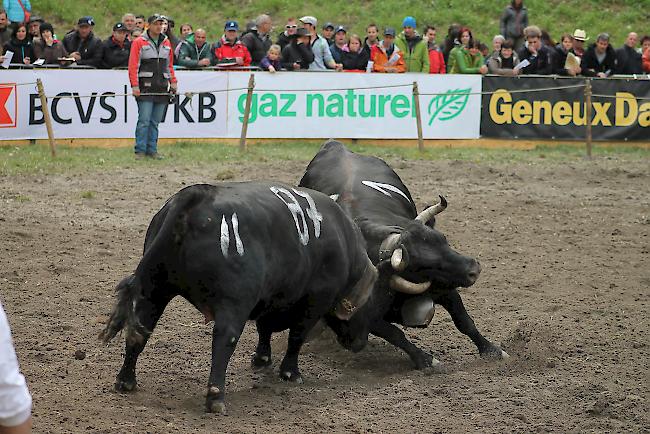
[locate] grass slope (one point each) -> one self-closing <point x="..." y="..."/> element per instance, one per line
<point x="617" y="17"/>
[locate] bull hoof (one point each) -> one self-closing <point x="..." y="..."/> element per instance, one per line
<point x="425" y="360"/>
<point x="214" y="401"/>
<point x="494" y="353"/>
<point x="293" y="377"/>
<point x="260" y="362"/>
<point x="125" y="385"/>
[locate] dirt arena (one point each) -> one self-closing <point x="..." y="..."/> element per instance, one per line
<point x="564" y="289"/>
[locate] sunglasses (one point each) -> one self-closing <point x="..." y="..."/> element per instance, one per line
<point x="293" y="26"/>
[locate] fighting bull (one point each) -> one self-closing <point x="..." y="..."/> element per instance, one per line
<point x="417" y="267"/>
<point x="282" y="256"/>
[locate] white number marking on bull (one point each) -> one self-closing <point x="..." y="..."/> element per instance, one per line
<point x="225" y="235"/>
<point x="298" y="215"/>
<point x="380" y="187"/>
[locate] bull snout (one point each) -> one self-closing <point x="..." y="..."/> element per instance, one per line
<point x="474" y="272"/>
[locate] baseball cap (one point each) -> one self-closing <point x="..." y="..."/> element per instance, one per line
<point x="231" y="25"/>
<point x="409" y="22"/>
<point x="308" y="19"/>
<point x="120" y="26"/>
<point x="389" y="31"/>
<point x="340" y="29"/>
<point x="155" y="17"/>
<point x="328" y="25"/>
<point x="35" y="19"/>
<point x="86" y="21"/>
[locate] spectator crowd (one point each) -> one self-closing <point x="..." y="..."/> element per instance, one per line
<point x="304" y="44"/>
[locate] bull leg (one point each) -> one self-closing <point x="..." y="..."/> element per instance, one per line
<point x="452" y="302"/>
<point x="228" y="327"/>
<point x="149" y="312"/>
<point x="395" y="336"/>
<point x="262" y="355"/>
<point x="297" y="334"/>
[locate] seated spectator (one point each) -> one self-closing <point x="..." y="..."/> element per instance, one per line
<point x="116" y="48"/>
<point x="628" y="60"/>
<point x="258" y="40"/>
<point x="5" y="31"/>
<point x="195" y="51"/>
<point x="139" y="23"/>
<point x="538" y="56"/>
<point x="413" y="47"/>
<point x="48" y="48"/>
<point x="372" y="38"/>
<point x="355" y="59"/>
<point x="298" y="53"/>
<point x="579" y="39"/>
<point x="186" y="30"/>
<point x="83" y="45"/>
<point x="323" y="59"/>
<point x="466" y="58"/>
<point x="34" y="27"/>
<point x="505" y="61"/>
<point x="562" y="50"/>
<point x="386" y="56"/>
<point x="129" y="22"/>
<point x="645" y="49"/>
<point x="340" y="44"/>
<point x="599" y="59"/>
<point x="230" y="51"/>
<point x="289" y="29"/>
<point x="20" y="45"/>
<point x="328" y="33"/>
<point x="271" y="62"/>
<point x="436" y="59"/>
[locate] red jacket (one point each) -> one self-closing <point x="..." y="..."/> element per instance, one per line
<point x="436" y="62"/>
<point x="226" y="52"/>
<point x="145" y="41"/>
<point x="646" y="61"/>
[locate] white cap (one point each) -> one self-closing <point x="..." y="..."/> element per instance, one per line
<point x="308" y="19"/>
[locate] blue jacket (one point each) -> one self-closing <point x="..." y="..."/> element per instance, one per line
<point x="15" y="13"/>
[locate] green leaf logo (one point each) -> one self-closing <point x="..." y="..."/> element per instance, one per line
<point x="448" y="105"/>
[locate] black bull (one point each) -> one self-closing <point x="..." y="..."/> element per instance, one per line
<point x="282" y="256"/>
<point x="417" y="266"/>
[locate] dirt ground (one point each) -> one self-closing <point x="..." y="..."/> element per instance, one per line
<point x="564" y="289"/>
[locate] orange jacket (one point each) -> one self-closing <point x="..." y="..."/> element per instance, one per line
<point x="381" y="62"/>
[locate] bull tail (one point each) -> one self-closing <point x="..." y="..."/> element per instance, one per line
<point x="123" y="315"/>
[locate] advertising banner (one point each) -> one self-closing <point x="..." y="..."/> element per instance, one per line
<point x="561" y="113"/>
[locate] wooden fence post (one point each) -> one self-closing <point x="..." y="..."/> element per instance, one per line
<point x="588" y="115"/>
<point x="46" y="115"/>
<point x="247" y="112"/>
<point x="418" y="117"/>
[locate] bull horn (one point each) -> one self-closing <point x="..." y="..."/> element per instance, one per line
<point x="428" y="213"/>
<point x="397" y="261"/>
<point x="400" y="284"/>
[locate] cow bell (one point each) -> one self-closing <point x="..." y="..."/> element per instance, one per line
<point x="418" y="311"/>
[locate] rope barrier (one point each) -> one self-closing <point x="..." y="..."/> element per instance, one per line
<point x="25" y="84"/>
<point x="643" y="98"/>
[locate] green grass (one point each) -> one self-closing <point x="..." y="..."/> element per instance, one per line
<point x="36" y="159"/>
<point x="617" y="17"/>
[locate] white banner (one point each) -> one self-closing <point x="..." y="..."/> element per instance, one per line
<point x="284" y="105"/>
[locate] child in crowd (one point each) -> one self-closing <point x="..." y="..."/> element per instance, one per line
<point x="271" y="62"/>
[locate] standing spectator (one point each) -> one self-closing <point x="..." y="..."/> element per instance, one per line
<point x="187" y="35"/>
<point x="579" y="39"/>
<point x="139" y="22"/>
<point x="230" y="50"/>
<point x="271" y="62"/>
<point x="386" y="56"/>
<point x="258" y="40"/>
<point x="645" y="49"/>
<point x="34" y="27"/>
<point x="452" y="40"/>
<point x="372" y="38"/>
<point x="562" y="50"/>
<point x="289" y="29"/>
<point x="5" y="31"/>
<point x="504" y="62"/>
<point x="467" y="59"/>
<point x="20" y="45"/>
<point x="538" y="56"/>
<point x="128" y="20"/>
<point x="83" y="45"/>
<point x="117" y="48"/>
<point x="195" y="52"/>
<point x="416" y="54"/>
<point x="355" y="59"/>
<point x="298" y="54"/>
<point x="48" y="48"/>
<point x="436" y="60"/>
<point x="340" y="45"/>
<point x="18" y="11"/>
<point x="599" y="59"/>
<point x="151" y="70"/>
<point x="168" y="30"/>
<point x="329" y="33"/>
<point x="15" y="400"/>
<point x="322" y="55"/>
<point x="627" y="58"/>
<point x="513" y="22"/>
<point x="186" y="30"/>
